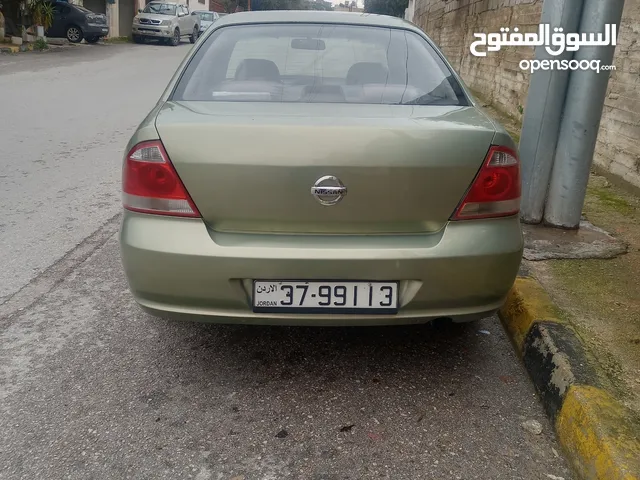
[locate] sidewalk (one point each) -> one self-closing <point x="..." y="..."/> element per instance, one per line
<point x="582" y="341"/>
<point x="11" y="48"/>
<point x="53" y="44"/>
<point x="576" y="325"/>
<point x="602" y="297"/>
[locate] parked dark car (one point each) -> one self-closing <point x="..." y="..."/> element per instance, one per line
<point x="74" y="23"/>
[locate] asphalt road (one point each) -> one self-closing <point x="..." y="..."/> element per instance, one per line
<point x="66" y="118"/>
<point x="92" y="388"/>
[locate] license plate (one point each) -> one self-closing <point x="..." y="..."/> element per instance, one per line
<point x="325" y="297"/>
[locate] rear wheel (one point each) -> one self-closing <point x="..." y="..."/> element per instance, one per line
<point x="194" y="35"/>
<point x="92" y="39"/>
<point x="175" y="40"/>
<point x="74" y="34"/>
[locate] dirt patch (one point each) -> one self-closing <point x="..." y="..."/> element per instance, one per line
<point x="602" y="297"/>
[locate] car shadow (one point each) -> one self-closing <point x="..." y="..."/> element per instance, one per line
<point x="259" y="354"/>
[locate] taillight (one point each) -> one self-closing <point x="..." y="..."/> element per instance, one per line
<point x="495" y="192"/>
<point x="150" y="184"/>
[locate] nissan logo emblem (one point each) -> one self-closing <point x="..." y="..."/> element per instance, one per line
<point x="328" y="190"/>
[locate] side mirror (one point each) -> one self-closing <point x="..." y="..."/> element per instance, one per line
<point x="193" y="13"/>
<point x="139" y="10"/>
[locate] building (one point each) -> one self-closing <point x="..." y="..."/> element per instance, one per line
<point x="216" y="6"/>
<point x="197" y="5"/>
<point x="348" y="6"/>
<point x="410" y="11"/>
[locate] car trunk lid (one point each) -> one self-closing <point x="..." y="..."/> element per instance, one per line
<point x="251" y="167"/>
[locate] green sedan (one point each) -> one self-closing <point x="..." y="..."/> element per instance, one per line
<point x="319" y="168"/>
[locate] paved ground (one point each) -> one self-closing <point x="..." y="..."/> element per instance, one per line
<point x="67" y="116"/>
<point x="90" y="387"/>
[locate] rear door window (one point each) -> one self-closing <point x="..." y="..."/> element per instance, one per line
<point x="317" y="63"/>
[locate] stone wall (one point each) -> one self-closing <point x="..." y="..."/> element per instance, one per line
<point x="618" y="147"/>
<point x="452" y="23"/>
<point x="498" y="78"/>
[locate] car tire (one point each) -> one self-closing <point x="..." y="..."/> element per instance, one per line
<point x="74" y="34"/>
<point x="175" y="40"/>
<point x="92" y="39"/>
<point x="137" y="39"/>
<point x="194" y="35"/>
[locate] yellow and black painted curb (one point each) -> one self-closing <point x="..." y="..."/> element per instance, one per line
<point x="7" y="48"/>
<point x="599" y="435"/>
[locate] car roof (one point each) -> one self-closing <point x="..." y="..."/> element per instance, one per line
<point x="314" y="16"/>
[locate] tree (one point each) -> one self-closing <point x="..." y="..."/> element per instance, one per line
<point x="395" y="8"/>
<point x="228" y="5"/>
<point x="284" y="4"/>
<point x="41" y="13"/>
<point x="316" y="5"/>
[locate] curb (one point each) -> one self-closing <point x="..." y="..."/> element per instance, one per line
<point x="6" y="48"/>
<point x="599" y="435"/>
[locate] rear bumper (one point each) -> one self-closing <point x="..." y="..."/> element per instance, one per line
<point x="179" y="268"/>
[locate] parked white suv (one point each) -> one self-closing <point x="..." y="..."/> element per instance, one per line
<point x="167" y="22"/>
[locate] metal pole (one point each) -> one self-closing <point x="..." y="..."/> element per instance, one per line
<point x="581" y="119"/>
<point x="541" y="123"/>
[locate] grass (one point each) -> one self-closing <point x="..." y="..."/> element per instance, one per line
<point x="611" y="200"/>
<point x="117" y="40"/>
<point x="601" y="314"/>
<point x="40" y="44"/>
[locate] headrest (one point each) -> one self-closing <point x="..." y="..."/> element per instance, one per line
<point x="257" y="69"/>
<point x="367" y="72"/>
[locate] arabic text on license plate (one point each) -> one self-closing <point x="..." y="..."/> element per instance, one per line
<point x="325" y="297"/>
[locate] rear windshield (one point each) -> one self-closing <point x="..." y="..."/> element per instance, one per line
<point x="206" y="16"/>
<point x="160" y="8"/>
<point x="312" y="63"/>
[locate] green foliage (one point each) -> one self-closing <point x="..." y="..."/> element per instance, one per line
<point x="40" y="44"/>
<point x="394" y="8"/>
<point x="230" y="5"/>
<point x="317" y="5"/>
<point x="117" y="40"/>
<point x="41" y="13"/>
